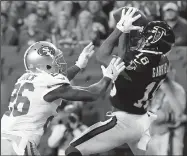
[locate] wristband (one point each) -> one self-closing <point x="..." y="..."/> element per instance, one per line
<point x="78" y="65"/>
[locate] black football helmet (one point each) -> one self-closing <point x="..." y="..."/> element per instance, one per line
<point x="157" y="37"/>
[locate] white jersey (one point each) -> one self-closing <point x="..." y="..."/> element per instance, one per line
<point x="28" y="111"/>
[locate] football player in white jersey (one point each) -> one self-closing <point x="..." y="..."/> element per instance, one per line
<point x="39" y="91"/>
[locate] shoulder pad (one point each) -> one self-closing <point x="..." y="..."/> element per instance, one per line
<point x="62" y="79"/>
<point x="46" y="79"/>
<point x="26" y="77"/>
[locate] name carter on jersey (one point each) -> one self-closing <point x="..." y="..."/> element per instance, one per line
<point x="160" y="70"/>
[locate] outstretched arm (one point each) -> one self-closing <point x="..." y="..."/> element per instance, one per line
<point x="123" y="26"/>
<point x="123" y="44"/>
<point x="91" y="93"/>
<point x="82" y="61"/>
<point x="104" y="53"/>
<point x="73" y="93"/>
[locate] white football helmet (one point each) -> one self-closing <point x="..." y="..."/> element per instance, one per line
<point x="44" y="56"/>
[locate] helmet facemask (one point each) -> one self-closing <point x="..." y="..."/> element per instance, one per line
<point x="60" y="64"/>
<point x="158" y="38"/>
<point x="150" y="40"/>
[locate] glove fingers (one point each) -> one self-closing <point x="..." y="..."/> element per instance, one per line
<point x="87" y="48"/>
<point x="133" y="12"/>
<point x="136" y="28"/>
<point x="121" y="69"/>
<point x="90" y="44"/>
<point x="112" y="61"/>
<point x="103" y="68"/>
<point x="90" y="48"/>
<point x="129" y="11"/>
<point x="136" y="17"/>
<point x="91" y="53"/>
<point x="120" y="65"/>
<point x="122" y="13"/>
<point x="117" y="62"/>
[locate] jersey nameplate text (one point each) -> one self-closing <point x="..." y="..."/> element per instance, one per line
<point x="160" y="70"/>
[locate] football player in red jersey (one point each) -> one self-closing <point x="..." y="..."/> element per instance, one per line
<point x="146" y="68"/>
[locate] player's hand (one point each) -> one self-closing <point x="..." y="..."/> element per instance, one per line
<point x="84" y="57"/>
<point x="125" y="23"/>
<point x="56" y="135"/>
<point x="114" y="69"/>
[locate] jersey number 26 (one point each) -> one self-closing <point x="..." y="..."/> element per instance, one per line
<point x="19" y="104"/>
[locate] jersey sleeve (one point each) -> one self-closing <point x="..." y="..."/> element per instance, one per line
<point x="140" y="61"/>
<point x="49" y="82"/>
<point x="142" y="67"/>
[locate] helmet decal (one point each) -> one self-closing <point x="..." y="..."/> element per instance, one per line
<point x="44" y="56"/>
<point x="46" y="51"/>
<point x="157" y="37"/>
<point x="158" y="33"/>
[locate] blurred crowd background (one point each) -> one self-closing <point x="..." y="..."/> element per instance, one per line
<point x="71" y="25"/>
<point x="67" y="23"/>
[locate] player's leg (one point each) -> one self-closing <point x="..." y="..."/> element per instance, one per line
<point x="138" y="147"/>
<point x="158" y="145"/>
<point x="153" y="147"/>
<point x="103" y="137"/>
<point x="135" y="150"/>
<point x="98" y="138"/>
<point x="31" y="149"/>
<point x="176" y="140"/>
<point x="6" y="147"/>
<point x="178" y="145"/>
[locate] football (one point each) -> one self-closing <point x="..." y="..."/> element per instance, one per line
<point x="142" y="21"/>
